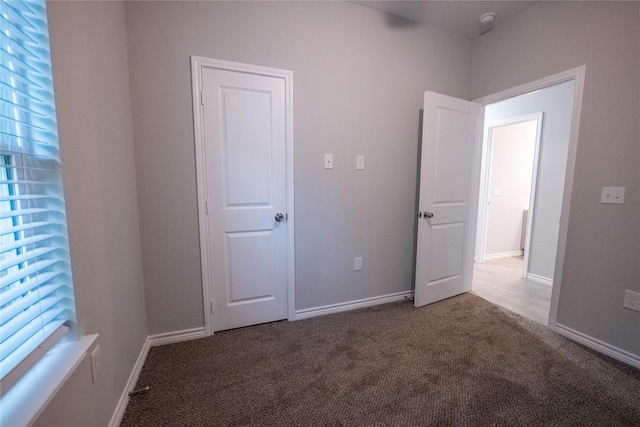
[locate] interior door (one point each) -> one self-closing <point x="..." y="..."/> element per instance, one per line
<point x="244" y="119"/>
<point x="449" y="179"/>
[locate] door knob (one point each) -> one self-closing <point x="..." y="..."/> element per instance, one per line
<point x="279" y="217"/>
<point x="427" y="215"/>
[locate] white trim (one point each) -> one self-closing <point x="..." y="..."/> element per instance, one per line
<point x="26" y="400"/>
<point x="539" y="279"/>
<point x="197" y="64"/>
<point x="351" y="305"/>
<point x="503" y="255"/>
<point x="177" y="336"/>
<point x="151" y="341"/>
<point x="578" y="75"/>
<point x="601" y="346"/>
<point x="532" y="194"/>
<point x="121" y="407"/>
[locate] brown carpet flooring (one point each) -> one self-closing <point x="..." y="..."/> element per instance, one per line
<point x="460" y="362"/>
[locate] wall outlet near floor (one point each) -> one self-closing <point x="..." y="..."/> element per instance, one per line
<point x="96" y="363"/>
<point x="357" y="263"/>
<point x="632" y="300"/>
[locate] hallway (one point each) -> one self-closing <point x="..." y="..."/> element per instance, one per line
<point x="500" y="281"/>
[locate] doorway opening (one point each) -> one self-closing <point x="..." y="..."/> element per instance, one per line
<point x="521" y="235"/>
<point x="505" y="217"/>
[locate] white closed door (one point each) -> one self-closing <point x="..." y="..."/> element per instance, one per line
<point x="244" y="120"/>
<point x="449" y="177"/>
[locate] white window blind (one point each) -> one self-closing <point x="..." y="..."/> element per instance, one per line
<point x="36" y="293"/>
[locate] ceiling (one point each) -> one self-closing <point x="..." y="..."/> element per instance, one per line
<point x="461" y="17"/>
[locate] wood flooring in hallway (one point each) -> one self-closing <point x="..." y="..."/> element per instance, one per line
<point x="500" y="281"/>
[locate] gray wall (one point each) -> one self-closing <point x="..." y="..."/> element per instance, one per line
<point x="94" y="117"/>
<point x="556" y="102"/>
<point x="359" y="79"/>
<point x="603" y="242"/>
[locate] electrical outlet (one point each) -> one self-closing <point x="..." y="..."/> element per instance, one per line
<point x="632" y="300"/>
<point x="96" y="363"/>
<point x="357" y="263"/>
<point x="359" y="162"/>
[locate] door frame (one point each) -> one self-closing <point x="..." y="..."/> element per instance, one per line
<point x="578" y="75"/>
<point x="485" y="178"/>
<point x="198" y="63"/>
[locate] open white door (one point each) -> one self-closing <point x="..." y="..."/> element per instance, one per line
<point x="449" y="179"/>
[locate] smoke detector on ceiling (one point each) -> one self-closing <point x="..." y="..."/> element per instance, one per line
<point x="486" y="22"/>
<point x="487" y="18"/>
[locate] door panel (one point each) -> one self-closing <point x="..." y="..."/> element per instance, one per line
<point x="247" y="147"/>
<point x="249" y="263"/>
<point x="244" y="117"/>
<point x="451" y="142"/>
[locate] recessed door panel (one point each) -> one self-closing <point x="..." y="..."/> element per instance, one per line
<point x="445" y="244"/>
<point x="453" y="154"/>
<point x="246" y="135"/>
<point x="249" y="267"/>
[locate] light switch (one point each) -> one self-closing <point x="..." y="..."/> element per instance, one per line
<point x="360" y="161"/>
<point x="328" y="161"/>
<point x="613" y="195"/>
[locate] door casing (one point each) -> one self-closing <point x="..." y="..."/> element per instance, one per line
<point x="198" y="63"/>
<point x="577" y="74"/>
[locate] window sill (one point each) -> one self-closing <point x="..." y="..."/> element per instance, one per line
<point x="24" y="402"/>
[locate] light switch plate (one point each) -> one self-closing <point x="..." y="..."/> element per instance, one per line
<point x="613" y="195"/>
<point x="328" y="161"/>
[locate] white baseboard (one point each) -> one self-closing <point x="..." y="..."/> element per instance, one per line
<point x="351" y="305"/>
<point x="177" y="336"/>
<point x="151" y="341"/>
<point x="503" y="255"/>
<point x="116" y="418"/>
<point x="602" y="347"/>
<point x="539" y="279"/>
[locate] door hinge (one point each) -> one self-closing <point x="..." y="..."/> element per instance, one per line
<point x="201" y="97"/>
<point x="206" y="207"/>
<point x="211" y="306"/>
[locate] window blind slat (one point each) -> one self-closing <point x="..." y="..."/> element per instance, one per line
<point x="26" y="197"/>
<point x="25" y="242"/>
<point x="25" y="227"/>
<point x="24" y="257"/>
<point x="14" y="182"/>
<point x="24" y="212"/>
